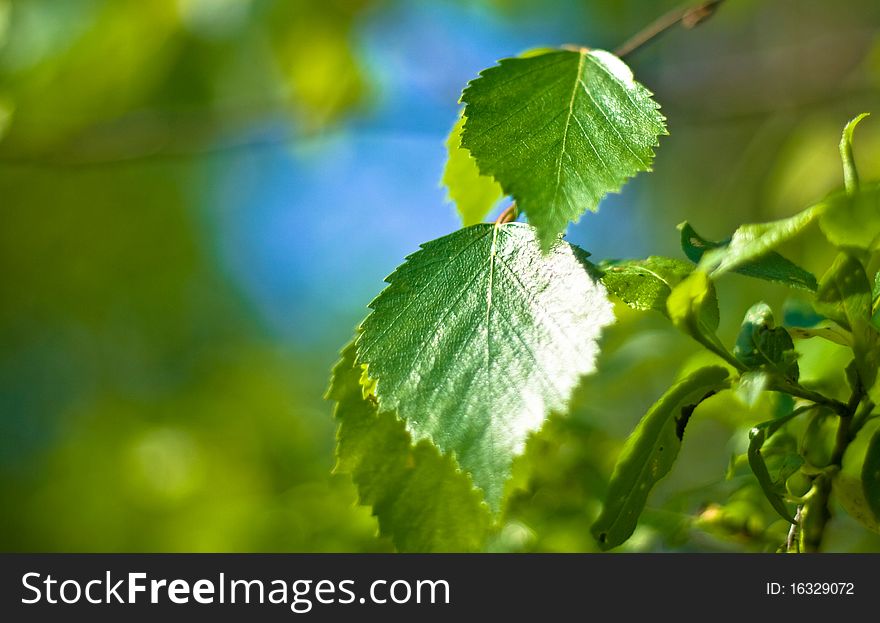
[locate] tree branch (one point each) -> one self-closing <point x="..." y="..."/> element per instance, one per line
<point x="689" y="17"/>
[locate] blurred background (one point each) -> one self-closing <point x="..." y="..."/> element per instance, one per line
<point x="199" y="197"/>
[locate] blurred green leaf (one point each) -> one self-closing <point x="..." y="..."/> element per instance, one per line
<point x="644" y="284"/>
<point x="760" y="344"/>
<point x="474" y="194"/>
<point x="857" y="484"/>
<point x="693" y="307"/>
<point x="478" y="337"/>
<point x="750" y="386"/>
<point x="559" y="131"/>
<point x="750" y="251"/>
<point x="852" y="221"/>
<point x="845" y="296"/>
<point x="422" y="500"/>
<point x="649" y="454"/>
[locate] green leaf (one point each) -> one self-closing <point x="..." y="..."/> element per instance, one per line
<point x="756" y="461"/>
<point x="560" y="130"/>
<point x="875" y="306"/>
<point x="644" y="284"/>
<point x="845" y="296"/>
<point x="693" y="307"/>
<point x="474" y="194"/>
<point x="857" y="484"/>
<point x="762" y="345"/>
<point x="852" y="220"/>
<point x="750" y="251"/>
<point x="421" y="499"/>
<point x="850" y="174"/>
<point x="478" y="337"/>
<point x="871" y="474"/>
<point x="649" y="453"/>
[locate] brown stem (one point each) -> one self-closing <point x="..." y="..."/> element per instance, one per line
<point x="688" y="16"/>
<point x="509" y="214"/>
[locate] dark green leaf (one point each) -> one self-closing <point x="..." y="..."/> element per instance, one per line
<point x="750" y="251"/>
<point x="845" y="296"/>
<point x="649" y="453"/>
<point x="644" y="284"/>
<point x="478" y="337"/>
<point x="421" y="499"/>
<point x="474" y="194"/>
<point x="759" y="468"/>
<point x="559" y="130"/>
<point x="762" y="345"/>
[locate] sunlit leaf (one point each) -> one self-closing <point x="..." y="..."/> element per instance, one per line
<point x="649" y="454"/>
<point x="478" y="337"/>
<point x="560" y="130"/>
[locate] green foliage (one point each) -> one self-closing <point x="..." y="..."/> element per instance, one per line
<point x="749" y="251"/>
<point x="473" y="194"/>
<point x="692" y="307"/>
<point x="644" y="284"/>
<point x="771" y="487"/>
<point x="422" y="500"/>
<point x="845" y="296"/>
<point x="478" y="337"/>
<point x="650" y="453"/>
<point x="856" y="484"/>
<point x="558" y="130"/>
<point x="483" y="333"/>
<point x="852" y="220"/>
<point x="762" y="345"/>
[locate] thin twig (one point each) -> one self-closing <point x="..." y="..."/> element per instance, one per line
<point x="510" y="214"/>
<point x="792" y="543"/>
<point x="688" y="17"/>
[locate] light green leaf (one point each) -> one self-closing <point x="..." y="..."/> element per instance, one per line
<point x="857" y="484"/>
<point x="845" y="296"/>
<point x="644" y="284"/>
<point x="850" y="174"/>
<point x="474" y="194"/>
<point x="560" y="130"/>
<point x="750" y="251"/>
<point x="762" y="345"/>
<point x="649" y="453"/>
<point x="478" y="337"/>
<point x="693" y="306"/>
<point x="421" y="499"/>
<point x="852" y="221"/>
